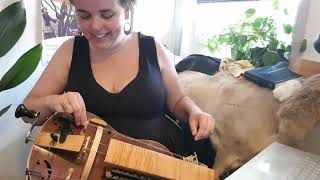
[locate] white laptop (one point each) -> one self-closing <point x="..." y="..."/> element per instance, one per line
<point x="280" y="162"/>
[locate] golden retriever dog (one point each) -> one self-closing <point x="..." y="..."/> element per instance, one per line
<point x="248" y="117"/>
<point x="299" y="114"/>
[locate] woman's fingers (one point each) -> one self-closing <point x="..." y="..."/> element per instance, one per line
<point x="73" y="106"/>
<point x="202" y="124"/>
<point x="70" y="102"/>
<point x="203" y="128"/>
<point x="77" y="107"/>
<point x="83" y="111"/>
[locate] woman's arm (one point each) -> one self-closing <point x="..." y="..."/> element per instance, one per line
<point x="201" y="123"/>
<point x="47" y="95"/>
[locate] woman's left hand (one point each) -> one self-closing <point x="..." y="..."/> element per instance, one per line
<point x="201" y="125"/>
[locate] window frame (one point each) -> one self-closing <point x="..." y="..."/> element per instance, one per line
<point x="217" y="1"/>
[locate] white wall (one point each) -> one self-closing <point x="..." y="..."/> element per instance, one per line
<point x="307" y="27"/>
<point x="13" y="150"/>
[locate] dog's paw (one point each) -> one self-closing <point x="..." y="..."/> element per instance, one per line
<point x="285" y="91"/>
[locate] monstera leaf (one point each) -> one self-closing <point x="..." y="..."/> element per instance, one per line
<point x="22" y="69"/>
<point x="12" y="25"/>
<point x="4" y="110"/>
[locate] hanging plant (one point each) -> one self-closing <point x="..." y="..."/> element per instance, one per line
<point x="12" y="26"/>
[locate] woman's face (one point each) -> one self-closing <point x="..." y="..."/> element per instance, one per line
<point x="101" y="21"/>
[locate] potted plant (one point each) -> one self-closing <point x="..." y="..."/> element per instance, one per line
<point x="254" y="38"/>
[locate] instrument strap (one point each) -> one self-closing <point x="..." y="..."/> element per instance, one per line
<point x="92" y="154"/>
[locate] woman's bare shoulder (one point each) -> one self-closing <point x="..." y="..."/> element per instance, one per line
<point x="163" y="55"/>
<point x="63" y="55"/>
<point x="55" y="75"/>
<point x="66" y="48"/>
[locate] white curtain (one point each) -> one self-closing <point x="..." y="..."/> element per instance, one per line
<point x="156" y="18"/>
<point x="161" y="19"/>
<point x="189" y="43"/>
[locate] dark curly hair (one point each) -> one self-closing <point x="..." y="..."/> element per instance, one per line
<point x="126" y="4"/>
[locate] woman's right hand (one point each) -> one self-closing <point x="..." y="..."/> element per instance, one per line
<point x="69" y="102"/>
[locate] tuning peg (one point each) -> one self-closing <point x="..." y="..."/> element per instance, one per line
<point x="22" y="111"/>
<point x="64" y="117"/>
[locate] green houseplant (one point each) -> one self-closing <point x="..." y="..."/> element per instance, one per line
<point x="12" y="26"/>
<point x="254" y="38"/>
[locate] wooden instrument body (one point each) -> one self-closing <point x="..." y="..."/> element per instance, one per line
<point x="52" y="163"/>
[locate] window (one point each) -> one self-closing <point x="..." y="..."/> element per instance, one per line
<point x="182" y="24"/>
<point x="211" y="18"/>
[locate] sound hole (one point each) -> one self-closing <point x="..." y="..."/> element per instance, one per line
<point x="49" y="168"/>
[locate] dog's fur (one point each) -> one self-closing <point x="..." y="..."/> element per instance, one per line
<point x="285" y="91"/>
<point x="299" y="114"/>
<point x="248" y="117"/>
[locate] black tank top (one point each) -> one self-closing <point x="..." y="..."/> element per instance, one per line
<point x="139" y="109"/>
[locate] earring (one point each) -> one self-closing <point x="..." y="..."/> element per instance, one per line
<point x="127" y="28"/>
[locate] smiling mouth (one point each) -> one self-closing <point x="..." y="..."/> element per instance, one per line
<point x="99" y="36"/>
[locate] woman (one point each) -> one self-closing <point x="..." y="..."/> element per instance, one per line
<point x="47" y="28"/>
<point x="126" y="79"/>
